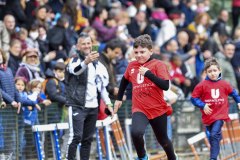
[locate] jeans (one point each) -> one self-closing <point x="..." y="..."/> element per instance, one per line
<point x="215" y="136"/>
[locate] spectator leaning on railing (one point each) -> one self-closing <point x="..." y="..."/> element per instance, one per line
<point x="10" y="96"/>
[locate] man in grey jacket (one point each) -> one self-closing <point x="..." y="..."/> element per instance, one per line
<point x="4" y="37"/>
<point x="86" y="80"/>
<point x="225" y="61"/>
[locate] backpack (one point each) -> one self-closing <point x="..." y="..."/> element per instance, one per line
<point x="44" y="84"/>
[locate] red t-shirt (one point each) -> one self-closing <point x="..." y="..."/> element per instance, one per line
<point x="216" y="94"/>
<point x="146" y="96"/>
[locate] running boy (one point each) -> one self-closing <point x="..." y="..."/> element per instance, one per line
<point x="149" y="77"/>
<point x="211" y="96"/>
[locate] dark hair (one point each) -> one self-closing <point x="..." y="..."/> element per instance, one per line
<point x="39" y="8"/>
<point x="62" y="20"/>
<point x="21" y="78"/>
<point x="33" y="27"/>
<point x="211" y="61"/>
<point x="59" y="66"/>
<point x="144" y="41"/>
<point x="98" y="10"/>
<point x="115" y="43"/>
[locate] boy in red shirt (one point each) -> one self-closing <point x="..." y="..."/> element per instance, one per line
<point x="149" y="77"/>
<point x="211" y="96"/>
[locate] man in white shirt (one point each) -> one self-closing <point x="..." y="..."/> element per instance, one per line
<point x="86" y="81"/>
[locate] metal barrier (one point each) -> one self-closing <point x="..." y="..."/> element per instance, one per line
<point x="186" y="122"/>
<point x="54" y="138"/>
<point x="229" y="146"/>
<point x="16" y="137"/>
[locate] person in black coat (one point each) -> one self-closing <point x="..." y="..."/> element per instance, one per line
<point x="221" y="23"/>
<point x="139" y="25"/>
<point x="14" y="55"/>
<point x="58" y="38"/>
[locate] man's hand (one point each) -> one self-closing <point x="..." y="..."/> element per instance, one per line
<point x="143" y="70"/>
<point x="110" y="109"/>
<point x="91" y="57"/>
<point x="239" y="106"/>
<point x="207" y="110"/>
<point x="14" y="104"/>
<point x="115" y="91"/>
<point x="117" y="105"/>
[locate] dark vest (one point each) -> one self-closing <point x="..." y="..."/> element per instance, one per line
<point x="76" y="86"/>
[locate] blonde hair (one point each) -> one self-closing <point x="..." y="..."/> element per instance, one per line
<point x="33" y="84"/>
<point x="24" y="58"/>
<point x="199" y="17"/>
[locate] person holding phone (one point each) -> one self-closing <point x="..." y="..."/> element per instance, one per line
<point x="85" y="80"/>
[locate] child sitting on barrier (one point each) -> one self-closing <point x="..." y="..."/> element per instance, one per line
<point x="211" y="96"/>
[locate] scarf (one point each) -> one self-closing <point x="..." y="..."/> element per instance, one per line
<point x="34" y="71"/>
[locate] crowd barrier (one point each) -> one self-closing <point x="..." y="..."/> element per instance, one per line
<point x="230" y="143"/>
<point x="17" y="140"/>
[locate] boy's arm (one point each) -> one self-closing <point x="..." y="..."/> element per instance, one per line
<point x="162" y="84"/>
<point x="122" y="88"/>
<point x="235" y="96"/>
<point x="198" y="102"/>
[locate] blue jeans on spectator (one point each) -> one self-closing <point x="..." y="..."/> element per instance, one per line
<point x="215" y="136"/>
